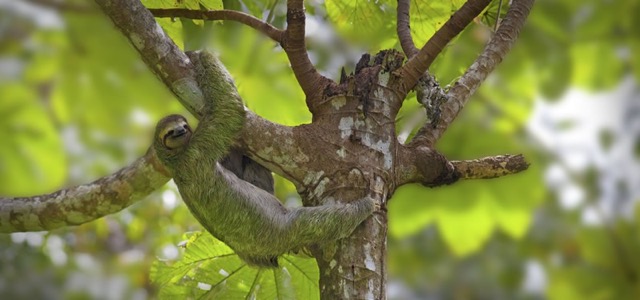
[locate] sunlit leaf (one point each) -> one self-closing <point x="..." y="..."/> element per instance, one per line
<point x="211" y="270"/>
<point x="365" y="22"/>
<point x="428" y="16"/>
<point x="465" y="220"/>
<point x="468" y="212"/>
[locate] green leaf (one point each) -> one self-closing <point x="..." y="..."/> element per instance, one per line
<point x="410" y="210"/>
<point x="465" y="222"/>
<point x="32" y="160"/>
<point x="428" y="16"/>
<point x="363" y="21"/>
<point x="468" y="211"/>
<point x="211" y="270"/>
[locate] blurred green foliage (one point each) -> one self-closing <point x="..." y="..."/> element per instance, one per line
<point x="77" y="103"/>
<point x="211" y="270"/>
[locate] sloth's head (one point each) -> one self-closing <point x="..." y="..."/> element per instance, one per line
<point x="172" y="136"/>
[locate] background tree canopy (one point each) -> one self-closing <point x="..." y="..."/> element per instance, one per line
<point x="77" y="103"/>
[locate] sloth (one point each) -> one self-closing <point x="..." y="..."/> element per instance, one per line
<point x="247" y="218"/>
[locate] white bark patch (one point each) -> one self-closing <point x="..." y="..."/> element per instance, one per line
<point x="333" y="263"/>
<point x="137" y="41"/>
<point x="378" y="185"/>
<point x="346" y="127"/>
<point x="379" y="94"/>
<point x="383" y="78"/>
<point x="338" y="102"/>
<point x="321" y="187"/>
<point x="342" y="153"/>
<point x="300" y="156"/>
<point x="158" y="30"/>
<point x="162" y="48"/>
<point x="345" y="293"/>
<point x="383" y="147"/>
<point x="312" y="177"/>
<point x="370" y="288"/>
<point x="368" y="258"/>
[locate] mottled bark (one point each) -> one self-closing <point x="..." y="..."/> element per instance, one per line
<point x="84" y="203"/>
<point x="348" y="151"/>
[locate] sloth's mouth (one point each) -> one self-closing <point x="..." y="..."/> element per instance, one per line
<point x="180" y="133"/>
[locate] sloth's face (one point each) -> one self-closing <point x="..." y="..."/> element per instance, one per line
<point x="172" y="135"/>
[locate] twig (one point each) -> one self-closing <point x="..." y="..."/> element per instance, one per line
<point x="492" y="55"/>
<point x="490" y="167"/>
<point x="211" y="15"/>
<point x="420" y="63"/>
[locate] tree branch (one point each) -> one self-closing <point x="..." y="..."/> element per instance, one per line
<point x="493" y="53"/>
<point x="426" y="166"/>
<point x="293" y="43"/>
<point x="490" y="167"/>
<point x="157" y="50"/>
<point x="404" y="29"/>
<point x="420" y="63"/>
<point x="84" y="203"/>
<point x="113" y="193"/>
<point x="231" y="15"/>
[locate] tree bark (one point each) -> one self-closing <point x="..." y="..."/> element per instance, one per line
<point x="349" y="151"/>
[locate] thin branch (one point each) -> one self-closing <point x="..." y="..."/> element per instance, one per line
<point x="211" y="15"/>
<point x="493" y="53"/>
<point x="420" y="164"/>
<point x="427" y="84"/>
<point x="490" y="167"/>
<point x="308" y="77"/>
<point x="84" y="203"/>
<point x="403" y="28"/>
<point x="420" y="63"/>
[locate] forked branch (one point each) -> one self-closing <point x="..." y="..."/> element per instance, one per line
<point x="420" y="63"/>
<point x="492" y="55"/>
